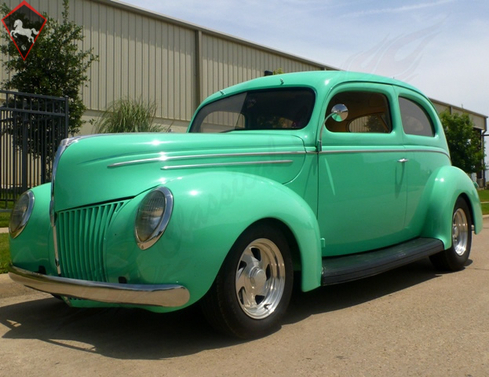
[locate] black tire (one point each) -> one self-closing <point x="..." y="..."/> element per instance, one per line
<point x="253" y="287"/>
<point x="455" y="258"/>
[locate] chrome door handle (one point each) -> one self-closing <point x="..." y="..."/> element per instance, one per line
<point x="403" y="160"/>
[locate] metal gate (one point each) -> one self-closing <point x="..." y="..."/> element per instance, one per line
<point x="31" y="128"/>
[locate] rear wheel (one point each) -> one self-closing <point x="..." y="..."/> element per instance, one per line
<point x="252" y="290"/>
<point x="455" y="258"/>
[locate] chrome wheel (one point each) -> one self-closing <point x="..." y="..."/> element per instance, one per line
<point x="460" y="232"/>
<point x="252" y="290"/>
<point x="456" y="257"/>
<point x="260" y="278"/>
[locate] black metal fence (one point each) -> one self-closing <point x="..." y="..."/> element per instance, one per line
<point x="31" y="128"/>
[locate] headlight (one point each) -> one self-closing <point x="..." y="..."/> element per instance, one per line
<point x="153" y="216"/>
<point x="21" y="213"/>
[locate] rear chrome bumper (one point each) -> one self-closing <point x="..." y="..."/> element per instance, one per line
<point x="165" y="295"/>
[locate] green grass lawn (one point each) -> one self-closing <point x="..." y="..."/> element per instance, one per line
<point x="484" y="195"/>
<point x="4" y="219"/>
<point x="4" y="246"/>
<point x="5" y="214"/>
<point x="4" y="253"/>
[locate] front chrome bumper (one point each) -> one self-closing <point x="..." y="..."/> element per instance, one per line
<point x="165" y="295"/>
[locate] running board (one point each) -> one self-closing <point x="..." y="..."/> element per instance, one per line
<point x="346" y="268"/>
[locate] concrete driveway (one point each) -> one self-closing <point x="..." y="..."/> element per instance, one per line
<point x="409" y="322"/>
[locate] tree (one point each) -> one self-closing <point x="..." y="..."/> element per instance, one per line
<point x="464" y="142"/>
<point x="56" y="66"/>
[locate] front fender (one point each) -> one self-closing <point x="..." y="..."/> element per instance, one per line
<point x="445" y="187"/>
<point x="218" y="207"/>
<point x="210" y="211"/>
<point x="33" y="248"/>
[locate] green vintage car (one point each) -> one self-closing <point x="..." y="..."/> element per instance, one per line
<point x="323" y="176"/>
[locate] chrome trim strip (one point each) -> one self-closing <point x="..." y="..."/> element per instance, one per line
<point x="349" y="151"/>
<point x="164" y="295"/>
<point x="221" y="164"/>
<point x="62" y="147"/>
<point x="258" y="154"/>
<point x="216" y="155"/>
<point x="346" y="151"/>
<point x="65" y="143"/>
<point x="56" y="250"/>
<point x="428" y="151"/>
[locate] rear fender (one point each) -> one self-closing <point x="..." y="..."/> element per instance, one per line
<point x="446" y="186"/>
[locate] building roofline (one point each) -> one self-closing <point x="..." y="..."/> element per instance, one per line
<point x="214" y="33"/>
<point x="458" y="108"/>
<point x="159" y="16"/>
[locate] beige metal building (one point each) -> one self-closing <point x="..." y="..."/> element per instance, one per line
<point x="176" y="64"/>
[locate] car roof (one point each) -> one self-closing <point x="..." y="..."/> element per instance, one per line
<point x="316" y="79"/>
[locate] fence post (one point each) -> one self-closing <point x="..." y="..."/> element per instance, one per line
<point x="24" y="137"/>
<point x="67" y="116"/>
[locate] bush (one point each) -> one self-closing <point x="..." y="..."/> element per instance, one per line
<point x="128" y="115"/>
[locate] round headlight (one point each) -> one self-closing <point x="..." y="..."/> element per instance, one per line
<point x="21" y="213"/>
<point x="153" y="216"/>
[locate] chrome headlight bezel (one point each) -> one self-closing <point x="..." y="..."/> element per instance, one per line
<point x="21" y="213"/>
<point x="153" y="216"/>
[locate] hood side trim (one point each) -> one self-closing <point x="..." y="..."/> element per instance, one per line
<point x="220" y="164"/>
<point x="216" y="155"/>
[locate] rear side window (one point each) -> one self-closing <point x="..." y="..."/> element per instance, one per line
<point x="415" y="121"/>
<point x="368" y="112"/>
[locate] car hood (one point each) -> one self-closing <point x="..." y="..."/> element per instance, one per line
<point x="101" y="168"/>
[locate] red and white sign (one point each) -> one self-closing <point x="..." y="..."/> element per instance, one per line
<point x="24" y="24"/>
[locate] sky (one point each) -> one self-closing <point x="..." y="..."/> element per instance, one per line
<point x="439" y="46"/>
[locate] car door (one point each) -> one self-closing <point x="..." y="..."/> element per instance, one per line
<point x="425" y="151"/>
<point x="362" y="173"/>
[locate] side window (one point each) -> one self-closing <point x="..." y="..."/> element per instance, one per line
<point x="415" y="121"/>
<point x="367" y="112"/>
<point x="278" y="108"/>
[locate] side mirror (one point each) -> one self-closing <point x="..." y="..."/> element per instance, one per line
<point x="339" y="113"/>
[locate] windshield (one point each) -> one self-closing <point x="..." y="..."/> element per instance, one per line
<point x="288" y="108"/>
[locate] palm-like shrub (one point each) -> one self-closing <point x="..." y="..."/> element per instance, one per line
<point x="128" y="115"/>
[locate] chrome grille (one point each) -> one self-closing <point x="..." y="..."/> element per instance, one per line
<point x="81" y="234"/>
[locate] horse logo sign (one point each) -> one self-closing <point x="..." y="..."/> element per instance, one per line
<point x="24" y="24"/>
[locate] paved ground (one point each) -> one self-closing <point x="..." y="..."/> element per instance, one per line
<point x="408" y="322"/>
<point x="3" y="230"/>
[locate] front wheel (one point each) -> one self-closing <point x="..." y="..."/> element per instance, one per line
<point x="253" y="287"/>
<point x="455" y="258"/>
